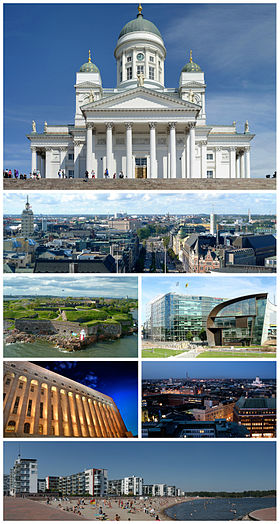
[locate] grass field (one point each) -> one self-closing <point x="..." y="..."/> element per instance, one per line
<point x="160" y="353"/>
<point x="236" y="354"/>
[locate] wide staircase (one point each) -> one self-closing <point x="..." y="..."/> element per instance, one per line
<point x="144" y="184"/>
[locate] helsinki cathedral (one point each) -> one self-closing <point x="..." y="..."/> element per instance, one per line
<point x="140" y="127"/>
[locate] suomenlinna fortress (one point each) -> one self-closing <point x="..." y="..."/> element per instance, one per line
<point x="140" y="126"/>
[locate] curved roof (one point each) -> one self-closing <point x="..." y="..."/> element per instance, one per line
<point x="139" y="24"/>
<point x="219" y="307"/>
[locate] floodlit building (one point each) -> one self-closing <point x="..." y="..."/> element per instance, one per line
<point x="258" y="415"/>
<point x="139" y="126"/>
<point x="41" y="403"/>
<point x="24" y="477"/>
<point x="241" y="321"/>
<point x="172" y="316"/>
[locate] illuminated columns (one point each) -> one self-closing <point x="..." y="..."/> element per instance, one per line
<point x="113" y="423"/>
<point x="23" y="408"/>
<point x="68" y="412"/>
<point x="95" y="419"/>
<point x="100" y="418"/>
<point x="90" y="423"/>
<point x="10" y="400"/>
<point x="37" y="410"/>
<point x="76" y="412"/>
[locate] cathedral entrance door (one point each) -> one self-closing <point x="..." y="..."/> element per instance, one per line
<point x="140" y="167"/>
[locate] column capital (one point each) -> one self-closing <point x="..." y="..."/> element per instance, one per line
<point x="172" y="125"/>
<point x="109" y="125"/>
<point x="129" y="125"/>
<point x="152" y="125"/>
<point x="232" y="148"/>
<point x="48" y="148"/>
<point x="191" y="125"/>
<point x="246" y="149"/>
<point x="90" y="125"/>
<point x="33" y="148"/>
<point x="77" y="143"/>
<point x="203" y="142"/>
<point x="63" y="148"/>
<point x="218" y="148"/>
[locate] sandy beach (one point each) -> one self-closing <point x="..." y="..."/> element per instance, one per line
<point x="127" y="508"/>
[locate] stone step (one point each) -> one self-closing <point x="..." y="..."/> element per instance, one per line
<point x="142" y="184"/>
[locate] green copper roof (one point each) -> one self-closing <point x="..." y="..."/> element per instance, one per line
<point x="191" y="67"/>
<point x="89" y="67"/>
<point x="139" y="24"/>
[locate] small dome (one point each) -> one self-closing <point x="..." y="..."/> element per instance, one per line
<point x="89" y="67"/>
<point x="139" y="24"/>
<point x="191" y="67"/>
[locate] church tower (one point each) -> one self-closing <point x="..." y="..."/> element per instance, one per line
<point x="140" y="55"/>
<point x="88" y="88"/>
<point x="27" y="221"/>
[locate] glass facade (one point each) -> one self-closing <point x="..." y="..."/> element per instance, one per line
<point x="240" y="322"/>
<point x="172" y="316"/>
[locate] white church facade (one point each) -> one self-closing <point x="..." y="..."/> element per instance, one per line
<point x="140" y="127"/>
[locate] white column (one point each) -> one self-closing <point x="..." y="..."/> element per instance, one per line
<point x="89" y="148"/>
<point x="192" y="149"/>
<point x="146" y="52"/>
<point x="34" y="159"/>
<point x="232" y="162"/>
<point x="247" y="163"/>
<point x="187" y="152"/>
<point x="242" y="165"/>
<point x="153" y="168"/>
<point x="109" y="146"/>
<point x="48" y="170"/>
<point x="238" y="165"/>
<point x="203" y="172"/>
<point x="129" y="173"/>
<point x="76" y="159"/>
<point x="183" y="158"/>
<point x="172" y="127"/>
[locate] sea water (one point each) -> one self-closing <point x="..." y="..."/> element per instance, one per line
<point x="219" y="508"/>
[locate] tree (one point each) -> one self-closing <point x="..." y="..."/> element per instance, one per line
<point x="202" y="335"/>
<point x="189" y="336"/>
<point x="165" y="242"/>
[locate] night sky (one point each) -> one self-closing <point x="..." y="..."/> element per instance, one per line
<point x="115" y="379"/>
<point x="209" y="369"/>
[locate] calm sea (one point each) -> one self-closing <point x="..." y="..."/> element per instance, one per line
<point x="219" y="509"/>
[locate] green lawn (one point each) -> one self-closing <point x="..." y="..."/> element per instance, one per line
<point x="236" y="354"/>
<point x="160" y="353"/>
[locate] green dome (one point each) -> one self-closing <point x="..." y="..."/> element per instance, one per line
<point x="89" y="67"/>
<point x="139" y="24"/>
<point x="191" y="67"/>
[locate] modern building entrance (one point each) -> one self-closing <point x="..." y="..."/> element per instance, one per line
<point x="140" y="167"/>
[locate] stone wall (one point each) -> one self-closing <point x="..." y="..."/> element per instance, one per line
<point x="58" y="327"/>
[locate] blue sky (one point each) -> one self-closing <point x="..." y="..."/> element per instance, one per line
<point x="227" y="466"/>
<point x="86" y="202"/>
<point x="220" y="287"/>
<point x="209" y="369"/>
<point x="74" y="286"/>
<point x="46" y="44"/>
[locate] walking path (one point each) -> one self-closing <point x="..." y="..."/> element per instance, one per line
<point x="263" y="514"/>
<point x="26" y="509"/>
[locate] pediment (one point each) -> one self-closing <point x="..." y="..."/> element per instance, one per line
<point x="193" y="84"/>
<point x="87" y="84"/>
<point x="139" y="99"/>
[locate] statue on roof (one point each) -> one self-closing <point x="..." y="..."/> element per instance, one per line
<point x="34" y="127"/>
<point x="140" y="81"/>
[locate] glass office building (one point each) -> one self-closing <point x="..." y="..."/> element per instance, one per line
<point x="241" y="321"/>
<point x="172" y="316"/>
